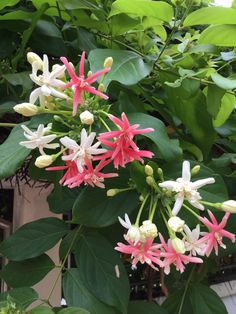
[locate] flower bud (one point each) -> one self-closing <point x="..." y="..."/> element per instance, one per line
<point x="101" y="87"/>
<point x="89" y="73"/>
<point x="108" y="62"/>
<point x="86" y="117"/>
<point x="148" y="229"/>
<point x="44" y="161"/>
<point x="33" y="57"/>
<point x="141" y="198"/>
<point x="148" y="170"/>
<point x="160" y="173"/>
<point x="150" y="181"/>
<point x="176" y="224"/>
<point x="178" y="245"/>
<point x="26" y="109"/>
<point x="134" y="234"/>
<point x="57" y="67"/>
<point x="112" y="192"/>
<point x="195" y="170"/>
<point x="229" y="206"/>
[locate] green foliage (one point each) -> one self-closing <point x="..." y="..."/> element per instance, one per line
<point x="140" y="307"/>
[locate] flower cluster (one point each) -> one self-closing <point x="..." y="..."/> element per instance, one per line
<point x="183" y="245"/>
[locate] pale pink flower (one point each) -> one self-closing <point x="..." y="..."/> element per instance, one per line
<point x="146" y="252"/>
<point x="90" y="176"/>
<point x="214" y="237"/>
<point x="81" y="84"/>
<point x="171" y="257"/>
<point x="123" y="148"/>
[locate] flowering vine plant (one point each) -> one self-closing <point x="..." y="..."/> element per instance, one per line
<point x="137" y="140"/>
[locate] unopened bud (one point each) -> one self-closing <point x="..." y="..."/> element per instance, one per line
<point x="101" y="87"/>
<point x="160" y="173"/>
<point x="150" y="181"/>
<point x="57" y="67"/>
<point x="86" y="117"/>
<point x="141" y="198"/>
<point x="148" y="229"/>
<point x="112" y="192"/>
<point x="26" y="109"/>
<point x="134" y="234"/>
<point x="229" y="206"/>
<point x="148" y="170"/>
<point x="108" y="62"/>
<point x="44" y="161"/>
<point x="178" y="245"/>
<point x="89" y="73"/>
<point x="33" y="57"/>
<point x="176" y="224"/>
<point x="195" y="170"/>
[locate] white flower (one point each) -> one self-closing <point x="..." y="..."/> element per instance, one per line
<point x="186" y="189"/>
<point x="191" y="241"/>
<point x="86" y="117"/>
<point x="85" y="150"/>
<point x="44" y="161"/>
<point x="176" y="224"/>
<point x="26" y="109"/>
<point x="47" y="82"/>
<point x="38" y="139"/>
<point x="229" y="206"/>
<point x="148" y="229"/>
<point x="133" y="233"/>
<point x="178" y="245"/>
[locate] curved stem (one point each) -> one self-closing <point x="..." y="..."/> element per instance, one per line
<point x="105" y="124"/>
<point x="185" y="290"/>
<point x="190" y="210"/>
<point x="141" y="209"/>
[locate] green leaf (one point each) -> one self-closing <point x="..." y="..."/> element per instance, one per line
<point x="8" y="3"/>
<point x="122" y="23"/>
<point x="223" y="82"/>
<point x="141" y="307"/>
<point x="178" y="302"/>
<point x="219" y="35"/>
<point x="128" y="67"/>
<point x="94" y="209"/>
<point x="21" y="78"/>
<point x="12" y="154"/>
<point x="211" y="15"/>
<point x="6" y="107"/>
<point x="165" y="146"/>
<point x="97" y="260"/>
<point x="16" y="15"/>
<point x="33" y="239"/>
<point x="226" y="108"/>
<point x="73" y="310"/>
<point x="160" y="10"/>
<point x="22" y="296"/>
<point x="28" y="272"/>
<point x="76" y="294"/>
<point x="61" y="199"/>
<point x="41" y="310"/>
<point x="79" y="4"/>
<point x="52" y="10"/>
<point x="214" y="96"/>
<point x="205" y="300"/>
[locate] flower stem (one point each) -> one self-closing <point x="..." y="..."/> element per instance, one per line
<point x="8" y="125"/>
<point x="141" y="209"/>
<point x="190" y="210"/>
<point x="153" y="210"/>
<point x="105" y="124"/>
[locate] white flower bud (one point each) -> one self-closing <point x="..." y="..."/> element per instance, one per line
<point x="150" y="181"/>
<point x="44" y="161"/>
<point x="26" y="109"/>
<point x="229" y="206"/>
<point x="148" y="229"/>
<point x="178" y="245"/>
<point x="176" y="224"/>
<point x="195" y="170"/>
<point x="112" y="192"/>
<point x="148" y="170"/>
<point x="58" y="66"/>
<point x="108" y="62"/>
<point x="33" y="57"/>
<point x="134" y="234"/>
<point x="86" y="117"/>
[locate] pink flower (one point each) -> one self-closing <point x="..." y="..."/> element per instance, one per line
<point x="90" y="176"/>
<point x="80" y="84"/>
<point x="123" y="148"/>
<point x="175" y="258"/>
<point x="214" y="237"/>
<point x="70" y="167"/>
<point x="146" y="252"/>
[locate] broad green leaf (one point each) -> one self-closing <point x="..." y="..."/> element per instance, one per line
<point x="77" y="294"/>
<point x="12" y="154"/>
<point x="178" y="302"/>
<point x="211" y="15"/>
<point x="8" y="3"/>
<point x="165" y="146"/>
<point x="6" y="107"/>
<point x="158" y="9"/>
<point x="21" y="78"/>
<point x="52" y="10"/>
<point x="205" y="300"/>
<point x="128" y="67"/>
<point x="102" y="272"/>
<point x="61" y="199"/>
<point x="79" y="4"/>
<point x="41" y="310"/>
<point x="16" y="15"/>
<point x="73" y="310"/>
<point x="94" y="209"/>
<point x="219" y="35"/>
<point x="33" y="239"/>
<point x="226" y="108"/>
<point x="28" y="272"/>
<point x="223" y="82"/>
<point x="214" y="96"/>
<point x="141" y="307"/>
<point x="122" y="23"/>
<point x="22" y="296"/>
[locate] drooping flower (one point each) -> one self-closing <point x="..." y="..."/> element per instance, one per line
<point x="171" y="257"/>
<point x="133" y="233"/>
<point x="39" y="139"/>
<point x="90" y="176"/>
<point x="85" y="150"/>
<point x="143" y="252"/>
<point x="148" y="230"/>
<point x="47" y="82"/>
<point x="122" y="147"/>
<point x="214" y="237"/>
<point x="186" y="189"/>
<point x="191" y="242"/>
<point x="81" y="84"/>
<point x="176" y="224"/>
